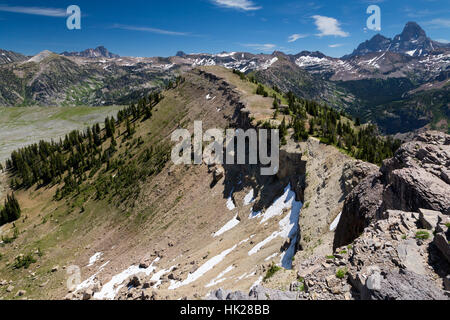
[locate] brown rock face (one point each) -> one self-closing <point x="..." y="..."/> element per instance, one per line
<point x="415" y="178"/>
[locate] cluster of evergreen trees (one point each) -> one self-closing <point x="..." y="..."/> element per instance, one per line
<point x="80" y="152"/>
<point x="333" y="127"/>
<point x="309" y="118"/>
<point x="11" y="211"/>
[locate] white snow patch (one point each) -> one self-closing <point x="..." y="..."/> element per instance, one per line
<point x="207" y="266"/>
<point x="110" y="290"/>
<point x="271" y="257"/>
<point x="257" y="283"/>
<point x="280" y="204"/>
<point x="411" y="53"/>
<point x="249" y="198"/>
<point x="158" y="275"/>
<point x="220" y="278"/>
<point x="225" y="54"/>
<point x="288" y="225"/>
<point x="266" y="65"/>
<point x="260" y="245"/>
<point x="230" y="203"/>
<point x="254" y="214"/>
<point x="91" y="280"/>
<point x="95" y="258"/>
<point x="230" y="225"/>
<point x="335" y="223"/>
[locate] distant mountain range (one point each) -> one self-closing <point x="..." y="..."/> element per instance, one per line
<point x="99" y="52"/>
<point x="402" y="84"/>
<point x="10" y="57"/>
<point x="413" y="41"/>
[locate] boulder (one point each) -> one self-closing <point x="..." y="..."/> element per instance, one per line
<point x="429" y="218"/>
<point x="21" y="293"/>
<point x="261" y="293"/>
<point x="441" y="241"/>
<point x="408" y="253"/>
<point x="405" y="285"/>
<point x="447" y="283"/>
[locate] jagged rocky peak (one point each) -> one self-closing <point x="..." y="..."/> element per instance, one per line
<point x="413" y="41"/>
<point x="10" y="57"/>
<point x="412" y="31"/>
<point x="316" y="54"/>
<point x="41" y="56"/>
<point x="99" y="52"/>
<point x="376" y="44"/>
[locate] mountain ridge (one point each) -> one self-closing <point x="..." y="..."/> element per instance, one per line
<point x="99" y="52"/>
<point x="413" y="41"/>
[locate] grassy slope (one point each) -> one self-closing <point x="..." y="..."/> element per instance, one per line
<point x="65" y="230"/>
<point x="21" y="126"/>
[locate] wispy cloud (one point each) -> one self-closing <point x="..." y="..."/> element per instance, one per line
<point x="246" y="5"/>
<point x="267" y="47"/>
<point x="296" y="36"/>
<point x="439" y="23"/>
<point x="336" y="45"/>
<point x="329" y="26"/>
<point x="442" y="40"/>
<point x="38" y="11"/>
<point x="150" y="30"/>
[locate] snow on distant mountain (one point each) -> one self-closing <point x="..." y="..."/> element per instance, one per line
<point x="99" y="52"/>
<point x="413" y="41"/>
<point x="10" y="57"/>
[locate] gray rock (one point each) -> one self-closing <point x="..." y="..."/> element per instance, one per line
<point x="409" y="255"/>
<point x="429" y="218"/>
<point x="441" y="242"/>
<point x="260" y="293"/>
<point x="257" y="293"/>
<point x="410" y="181"/>
<point x="405" y="285"/>
<point x="447" y="283"/>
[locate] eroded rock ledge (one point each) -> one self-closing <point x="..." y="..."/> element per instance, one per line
<point x="417" y="177"/>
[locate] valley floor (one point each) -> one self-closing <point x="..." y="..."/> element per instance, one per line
<point x="20" y="126"/>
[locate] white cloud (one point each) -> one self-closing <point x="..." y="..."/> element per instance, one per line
<point x="442" y="40"/>
<point x="38" y="11"/>
<point x="263" y="47"/>
<point x="150" y="30"/>
<point x="296" y="36"/>
<point x="246" y="5"/>
<point x="441" y="23"/>
<point x="329" y="27"/>
<point x="337" y="45"/>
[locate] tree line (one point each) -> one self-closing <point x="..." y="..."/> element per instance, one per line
<point x="11" y="210"/>
<point x="333" y="127"/>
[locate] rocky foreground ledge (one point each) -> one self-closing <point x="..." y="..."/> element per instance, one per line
<point x="392" y="242"/>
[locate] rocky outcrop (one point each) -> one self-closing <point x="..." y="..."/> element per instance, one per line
<point x="415" y="178"/>
<point x="393" y="259"/>
<point x="331" y="176"/>
<point x="257" y="293"/>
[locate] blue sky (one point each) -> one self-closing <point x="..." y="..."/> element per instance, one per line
<point x="161" y="28"/>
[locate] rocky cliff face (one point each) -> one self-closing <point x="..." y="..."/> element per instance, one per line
<point x="392" y="241"/>
<point x="416" y="178"/>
